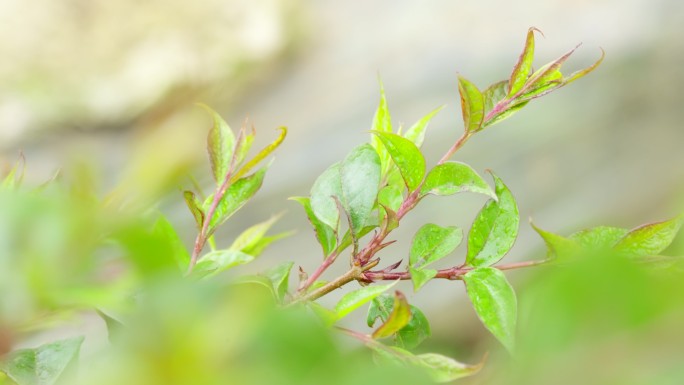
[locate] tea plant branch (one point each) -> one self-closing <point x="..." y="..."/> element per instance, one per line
<point x="452" y="273"/>
<point x="353" y="274"/>
<point x="459" y="143"/>
<point x="202" y="236"/>
<point x="320" y="270"/>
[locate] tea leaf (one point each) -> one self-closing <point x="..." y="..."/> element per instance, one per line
<point x="382" y="122"/>
<point x="649" y="239"/>
<point x="324" y="189"/>
<point x="261" y="155"/>
<point x="164" y="230"/>
<point x="391" y="197"/>
<point x="194" y="207"/>
<point x="558" y="246"/>
<point x="421" y="276"/>
<point x="494" y="94"/>
<point x="360" y="179"/>
<point x="43" y="365"/>
<point x="453" y="177"/>
<point x="411" y="335"/>
<point x="406" y="156"/>
<point x="494" y="230"/>
<point x="279" y="277"/>
<point x="218" y="261"/>
<point x="432" y="243"/>
<point x="601" y="237"/>
<point x="15" y="177"/>
<point x="472" y="105"/>
<point x="353" y="300"/>
<point x="416" y="133"/>
<point x="494" y="301"/>
<point x="250" y="237"/>
<point x="521" y="70"/>
<point x="235" y="197"/>
<point x="325" y="235"/>
<point x="220" y="143"/>
<point x="446" y="369"/>
<point x="397" y="319"/>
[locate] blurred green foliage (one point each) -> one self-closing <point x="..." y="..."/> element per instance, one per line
<point x="605" y="296"/>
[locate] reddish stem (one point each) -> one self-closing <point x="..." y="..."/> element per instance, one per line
<point x="451" y="273"/>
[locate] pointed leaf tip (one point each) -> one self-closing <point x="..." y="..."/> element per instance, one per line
<point x="472" y="105"/>
<point x="522" y="69"/>
<point x="220" y="144"/>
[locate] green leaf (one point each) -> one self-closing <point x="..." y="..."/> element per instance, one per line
<point x="16" y="175"/>
<point x="421" y="276"/>
<point x="360" y="179"/>
<point x="597" y="238"/>
<point x="505" y="114"/>
<point x="220" y="143"/>
<point x="494" y="301"/>
<point x="581" y="73"/>
<point x="522" y="69"/>
<point x="411" y="335"/>
<point x="165" y="231"/>
<point x="382" y="122"/>
<point x="494" y="230"/>
<point x="453" y="177"/>
<point x="649" y="239"/>
<point x="472" y="105"/>
<point x="114" y="325"/>
<point x="235" y="197"/>
<point x="545" y="79"/>
<point x="406" y="155"/>
<point x="279" y="276"/>
<point x="43" y="365"/>
<point x="494" y="94"/>
<point x="445" y="369"/>
<point x="558" y="246"/>
<point x="353" y="300"/>
<point x="397" y="319"/>
<point x="244" y="144"/>
<point x="219" y="261"/>
<point x="325" y="235"/>
<point x="390" y="221"/>
<point x="261" y="155"/>
<point x="327" y="316"/>
<point x="257" y="248"/>
<point x="416" y="133"/>
<point x="250" y="237"/>
<point x="327" y="186"/>
<point x="432" y="243"/>
<point x="194" y="206"/>
<point x="391" y="196"/>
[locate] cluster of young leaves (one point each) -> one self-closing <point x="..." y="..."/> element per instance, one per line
<point x="377" y="184"/>
<point x="643" y="243"/>
<point x="153" y="247"/>
<point x="365" y="196"/>
<point x="234" y="187"/>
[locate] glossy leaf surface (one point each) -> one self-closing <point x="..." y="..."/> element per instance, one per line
<point x="220" y="144"/>
<point x="649" y="239"/>
<point x="494" y="301"/>
<point x="494" y="230"/>
<point x="406" y="155"/>
<point x="235" y="197"/>
<point x="472" y="105"/>
<point x="432" y="243"/>
<point x="353" y="300"/>
<point x="453" y="177"/>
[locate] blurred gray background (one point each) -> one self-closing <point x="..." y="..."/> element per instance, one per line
<point x="87" y="79"/>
